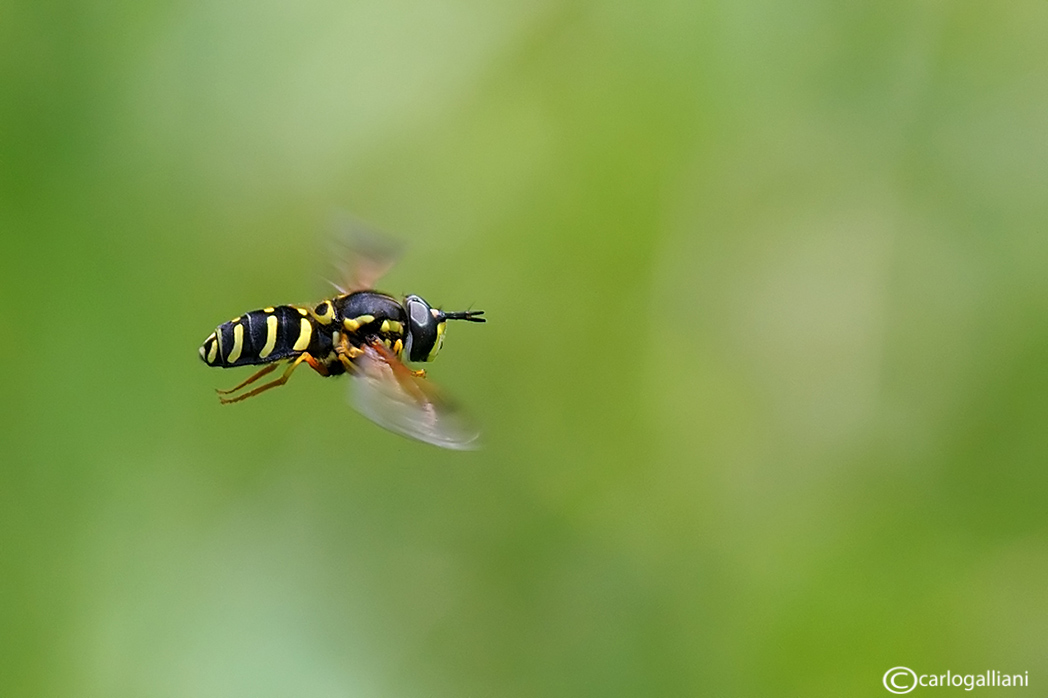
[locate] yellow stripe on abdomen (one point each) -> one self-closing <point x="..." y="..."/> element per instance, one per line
<point x="305" y="334"/>
<point x="271" y="336"/>
<point x="238" y="344"/>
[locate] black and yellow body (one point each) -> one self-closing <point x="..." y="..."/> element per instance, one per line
<point x="284" y="332"/>
<point x="363" y="333"/>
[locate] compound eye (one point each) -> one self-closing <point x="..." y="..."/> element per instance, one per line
<point x="418" y="312"/>
<point x="422" y="329"/>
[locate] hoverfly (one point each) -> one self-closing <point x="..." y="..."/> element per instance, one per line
<point x="361" y="332"/>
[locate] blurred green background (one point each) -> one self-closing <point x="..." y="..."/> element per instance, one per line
<point x="764" y="385"/>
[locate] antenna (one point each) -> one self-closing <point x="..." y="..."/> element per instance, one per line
<point x="470" y="315"/>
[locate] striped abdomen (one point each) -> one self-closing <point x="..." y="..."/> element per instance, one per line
<point x="260" y="337"/>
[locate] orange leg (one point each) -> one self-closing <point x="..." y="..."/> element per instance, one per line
<point x="254" y="377"/>
<point x="316" y="365"/>
<point x="402" y="373"/>
<point x="319" y="368"/>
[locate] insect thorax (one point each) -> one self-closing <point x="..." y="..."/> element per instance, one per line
<point x="366" y="313"/>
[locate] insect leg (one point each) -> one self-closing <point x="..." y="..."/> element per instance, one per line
<point x="254" y="377"/>
<point x="320" y="368"/>
<point x="346" y="352"/>
<point x="402" y="373"/>
<point x="275" y="383"/>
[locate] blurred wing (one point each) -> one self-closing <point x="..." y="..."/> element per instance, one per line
<point x="362" y="255"/>
<point x="385" y="391"/>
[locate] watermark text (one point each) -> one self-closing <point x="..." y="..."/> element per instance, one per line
<point x="902" y="679"/>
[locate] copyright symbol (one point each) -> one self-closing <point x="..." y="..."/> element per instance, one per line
<point x="895" y="679"/>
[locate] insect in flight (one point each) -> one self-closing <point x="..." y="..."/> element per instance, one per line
<point x="361" y="332"/>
